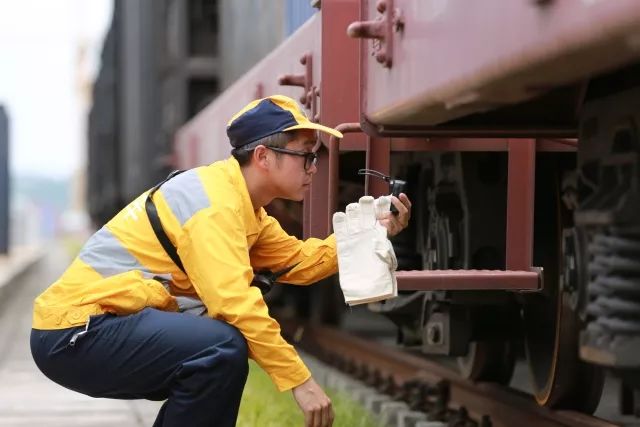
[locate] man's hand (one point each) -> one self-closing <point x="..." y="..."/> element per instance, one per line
<point x="314" y="403"/>
<point x="396" y="223"/>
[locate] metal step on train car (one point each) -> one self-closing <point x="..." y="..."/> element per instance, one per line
<point x="515" y="126"/>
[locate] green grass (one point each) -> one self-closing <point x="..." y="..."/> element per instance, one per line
<point x="262" y="405"/>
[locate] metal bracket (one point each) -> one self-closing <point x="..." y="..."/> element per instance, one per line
<point x="381" y="31"/>
<point x="259" y="92"/>
<point x="315" y="111"/>
<point x="304" y="81"/>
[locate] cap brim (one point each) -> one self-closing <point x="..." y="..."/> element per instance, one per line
<point x="316" y="126"/>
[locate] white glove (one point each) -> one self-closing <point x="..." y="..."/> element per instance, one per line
<point x="383" y="205"/>
<point x="366" y="260"/>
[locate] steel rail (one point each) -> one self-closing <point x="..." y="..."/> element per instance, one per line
<point x="392" y="370"/>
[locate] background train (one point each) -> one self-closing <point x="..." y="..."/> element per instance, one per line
<point x="515" y="127"/>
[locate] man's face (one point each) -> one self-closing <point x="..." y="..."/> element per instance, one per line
<point x="290" y="177"/>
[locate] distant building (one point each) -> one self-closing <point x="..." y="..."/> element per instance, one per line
<point x="4" y="181"/>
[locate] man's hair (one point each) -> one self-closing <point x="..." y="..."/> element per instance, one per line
<point x="277" y="140"/>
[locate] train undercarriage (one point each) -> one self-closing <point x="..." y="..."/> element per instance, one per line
<point x="586" y="243"/>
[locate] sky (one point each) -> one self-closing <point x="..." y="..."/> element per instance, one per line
<point x="40" y="69"/>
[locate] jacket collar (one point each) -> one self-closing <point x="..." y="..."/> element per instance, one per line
<point x="251" y="217"/>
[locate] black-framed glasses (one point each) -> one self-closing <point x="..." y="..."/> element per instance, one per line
<point x="310" y="157"/>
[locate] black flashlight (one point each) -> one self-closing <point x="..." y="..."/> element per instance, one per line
<point x="396" y="186"/>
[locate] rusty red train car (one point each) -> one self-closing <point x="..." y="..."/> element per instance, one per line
<point x="515" y="126"/>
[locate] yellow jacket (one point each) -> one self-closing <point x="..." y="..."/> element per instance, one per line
<point x="208" y="216"/>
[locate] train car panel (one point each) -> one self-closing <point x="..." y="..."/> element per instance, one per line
<point x="430" y="63"/>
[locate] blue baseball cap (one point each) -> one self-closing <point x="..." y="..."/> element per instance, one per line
<point x="268" y="116"/>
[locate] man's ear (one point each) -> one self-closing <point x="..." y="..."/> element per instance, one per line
<point x="260" y="157"/>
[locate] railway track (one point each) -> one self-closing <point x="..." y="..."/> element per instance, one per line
<point x="429" y="387"/>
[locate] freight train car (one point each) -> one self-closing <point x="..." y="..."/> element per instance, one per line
<point x="162" y="62"/>
<point x="158" y="69"/>
<point x="515" y="126"/>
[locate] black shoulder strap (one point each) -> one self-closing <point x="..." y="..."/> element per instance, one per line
<point x="263" y="280"/>
<point x="154" y="219"/>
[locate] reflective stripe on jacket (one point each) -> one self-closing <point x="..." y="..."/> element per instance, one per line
<point x="208" y="215"/>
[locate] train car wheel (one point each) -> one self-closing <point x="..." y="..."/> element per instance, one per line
<point x="559" y="378"/>
<point x="550" y="319"/>
<point x="491" y="361"/>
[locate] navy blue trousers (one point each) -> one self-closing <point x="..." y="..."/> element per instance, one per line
<point x="199" y="365"/>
